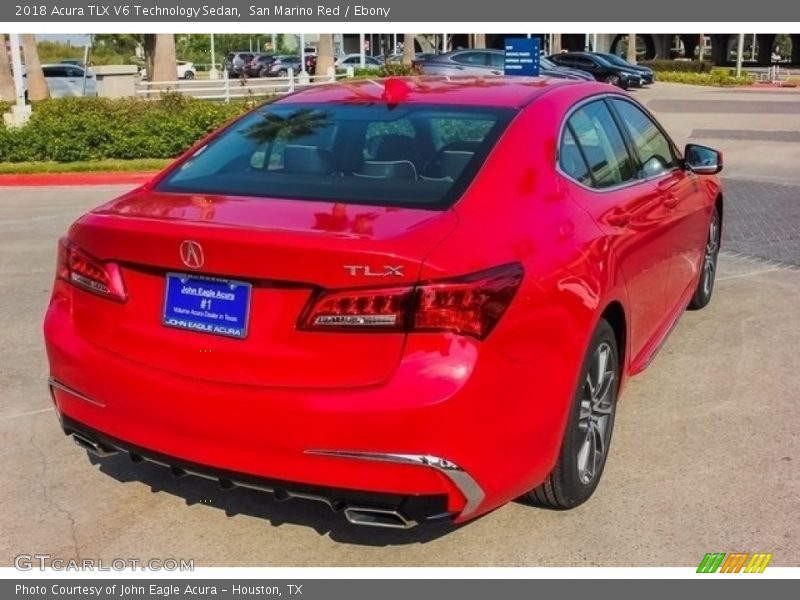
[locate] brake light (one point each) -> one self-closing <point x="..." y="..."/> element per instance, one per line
<point x="470" y="305"/>
<point x="86" y="272"/>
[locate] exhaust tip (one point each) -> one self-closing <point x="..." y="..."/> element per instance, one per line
<point x="92" y="446"/>
<point x="177" y="472"/>
<point x="226" y="484"/>
<point x="386" y="518"/>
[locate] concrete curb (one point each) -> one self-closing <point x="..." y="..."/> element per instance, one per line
<point x="76" y="179"/>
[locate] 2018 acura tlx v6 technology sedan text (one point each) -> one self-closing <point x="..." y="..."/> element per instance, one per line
<point x="413" y="302"/>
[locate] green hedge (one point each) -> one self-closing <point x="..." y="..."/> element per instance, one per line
<point x="683" y="66"/>
<point x="72" y="129"/>
<point x="720" y="77"/>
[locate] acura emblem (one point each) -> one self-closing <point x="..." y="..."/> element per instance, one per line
<point x="192" y="254"/>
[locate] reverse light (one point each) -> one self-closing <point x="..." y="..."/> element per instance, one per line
<point x="469" y="305"/>
<point x="82" y="270"/>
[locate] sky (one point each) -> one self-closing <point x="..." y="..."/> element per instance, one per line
<point x="76" y="39"/>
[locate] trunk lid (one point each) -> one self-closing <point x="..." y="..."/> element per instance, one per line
<point x="287" y="250"/>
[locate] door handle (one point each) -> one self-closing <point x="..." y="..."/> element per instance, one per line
<point x="619" y="218"/>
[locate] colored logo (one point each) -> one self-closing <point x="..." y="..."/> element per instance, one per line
<point x="735" y="562"/>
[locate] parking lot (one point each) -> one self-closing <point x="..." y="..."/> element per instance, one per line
<point x="705" y="452"/>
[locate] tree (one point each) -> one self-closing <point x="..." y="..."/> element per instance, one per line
<point x="631" y="58"/>
<point x="37" y="85"/>
<point x="163" y="58"/>
<point x="7" y="91"/>
<point x="408" y="48"/>
<point x="324" y="54"/>
<point x="480" y="40"/>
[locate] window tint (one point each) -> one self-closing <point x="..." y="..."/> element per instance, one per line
<point x="571" y="160"/>
<point x="602" y="145"/>
<point x="54" y="71"/>
<point x="406" y="155"/>
<point x="498" y="61"/>
<point x="653" y="148"/>
<point x="471" y="58"/>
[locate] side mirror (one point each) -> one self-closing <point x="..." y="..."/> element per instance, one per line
<point x="702" y="159"/>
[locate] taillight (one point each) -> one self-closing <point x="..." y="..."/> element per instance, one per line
<point x="470" y="305"/>
<point x="86" y="272"/>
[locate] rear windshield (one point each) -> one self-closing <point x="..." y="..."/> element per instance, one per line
<point x="379" y="154"/>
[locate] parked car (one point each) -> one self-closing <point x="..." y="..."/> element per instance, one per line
<point x="65" y="80"/>
<point x="414" y="302"/>
<point x="258" y="65"/>
<point x="647" y="74"/>
<point x="281" y="64"/>
<point x="465" y="62"/>
<point x="354" y="60"/>
<point x="235" y="63"/>
<point x="185" y="70"/>
<point x="599" y="68"/>
<point x="550" y="69"/>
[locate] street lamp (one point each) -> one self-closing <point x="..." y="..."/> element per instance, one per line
<point x="212" y="72"/>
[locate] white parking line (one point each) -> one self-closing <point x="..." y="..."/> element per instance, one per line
<point x="30" y="413"/>
<point x="748" y="274"/>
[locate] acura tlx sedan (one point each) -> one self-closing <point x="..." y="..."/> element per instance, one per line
<point x="413" y="301"/>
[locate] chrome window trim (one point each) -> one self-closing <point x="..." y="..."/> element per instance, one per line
<point x="630" y="183"/>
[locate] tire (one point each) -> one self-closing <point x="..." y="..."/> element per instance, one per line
<point x="591" y="421"/>
<point x="612" y="79"/>
<point x="705" y="286"/>
<point x="189" y="75"/>
<point x="283" y="73"/>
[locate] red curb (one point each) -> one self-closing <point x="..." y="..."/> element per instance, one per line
<point x="91" y="178"/>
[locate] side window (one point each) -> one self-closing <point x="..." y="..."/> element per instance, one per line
<point x="602" y="144"/>
<point x="653" y="148"/>
<point x="571" y="160"/>
<point x="471" y="58"/>
<point x="54" y="71"/>
<point x="498" y="61"/>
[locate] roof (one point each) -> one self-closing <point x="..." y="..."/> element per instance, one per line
<point x="509" y="92"/>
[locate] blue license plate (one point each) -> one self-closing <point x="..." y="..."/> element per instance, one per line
<point x="207" y="304"/>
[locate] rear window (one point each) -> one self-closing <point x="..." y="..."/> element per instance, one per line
<point x="407" y="155"/>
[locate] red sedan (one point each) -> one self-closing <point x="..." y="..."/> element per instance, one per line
<point x="413" y="301"/>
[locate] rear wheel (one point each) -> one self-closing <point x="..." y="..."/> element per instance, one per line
<point x="587" y="437"/>
<point x="189" y="75"/>
<point x="705" y="287"/>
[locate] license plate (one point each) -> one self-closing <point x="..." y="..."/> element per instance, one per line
<point x="207" y="304"/>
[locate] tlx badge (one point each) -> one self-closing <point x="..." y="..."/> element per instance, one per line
<point x="367" y="271"/>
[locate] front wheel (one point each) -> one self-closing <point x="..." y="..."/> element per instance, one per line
<point x="189" y="75"/>
<point x="587" y="437"/>
<point x="612" y="79"/>
<point x="705" y="287"/>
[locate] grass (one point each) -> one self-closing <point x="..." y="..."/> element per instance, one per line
<point x="84" y="166"/>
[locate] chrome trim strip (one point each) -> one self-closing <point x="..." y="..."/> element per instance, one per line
<point x="473" y="492"/>
<point x="55" y="383"/>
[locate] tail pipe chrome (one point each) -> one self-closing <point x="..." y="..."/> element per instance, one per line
<point x="386" y="518"/>
<point x="463" y="481"/>
<point x="92" y="446"/>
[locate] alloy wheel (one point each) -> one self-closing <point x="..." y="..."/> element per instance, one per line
<point x="596" y="413"/>
<point x="710" y="258"/>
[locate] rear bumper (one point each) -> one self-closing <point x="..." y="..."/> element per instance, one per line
<point x="458" y="429"/>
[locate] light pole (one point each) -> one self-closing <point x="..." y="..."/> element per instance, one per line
<point x="739" y="53"/>
<point x="212" y="72"/>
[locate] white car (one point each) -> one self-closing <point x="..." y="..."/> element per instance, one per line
<point x="184" y="70"/>
<point x="69" y="80"/>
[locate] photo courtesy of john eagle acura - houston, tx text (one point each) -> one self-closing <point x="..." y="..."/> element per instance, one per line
<point x="413" y="300"/>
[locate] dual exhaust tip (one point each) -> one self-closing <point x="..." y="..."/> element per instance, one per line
<point x="386" y="518"/>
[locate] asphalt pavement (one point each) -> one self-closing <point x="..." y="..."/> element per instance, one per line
<point x="704" y="457"/>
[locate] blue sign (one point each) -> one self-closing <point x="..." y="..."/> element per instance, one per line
<point x="522" y="56"/>
<point x="207" y="304"/>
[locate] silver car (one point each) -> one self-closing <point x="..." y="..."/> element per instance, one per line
<point x="69" y="80"/>
<point x="466" y="62"/>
